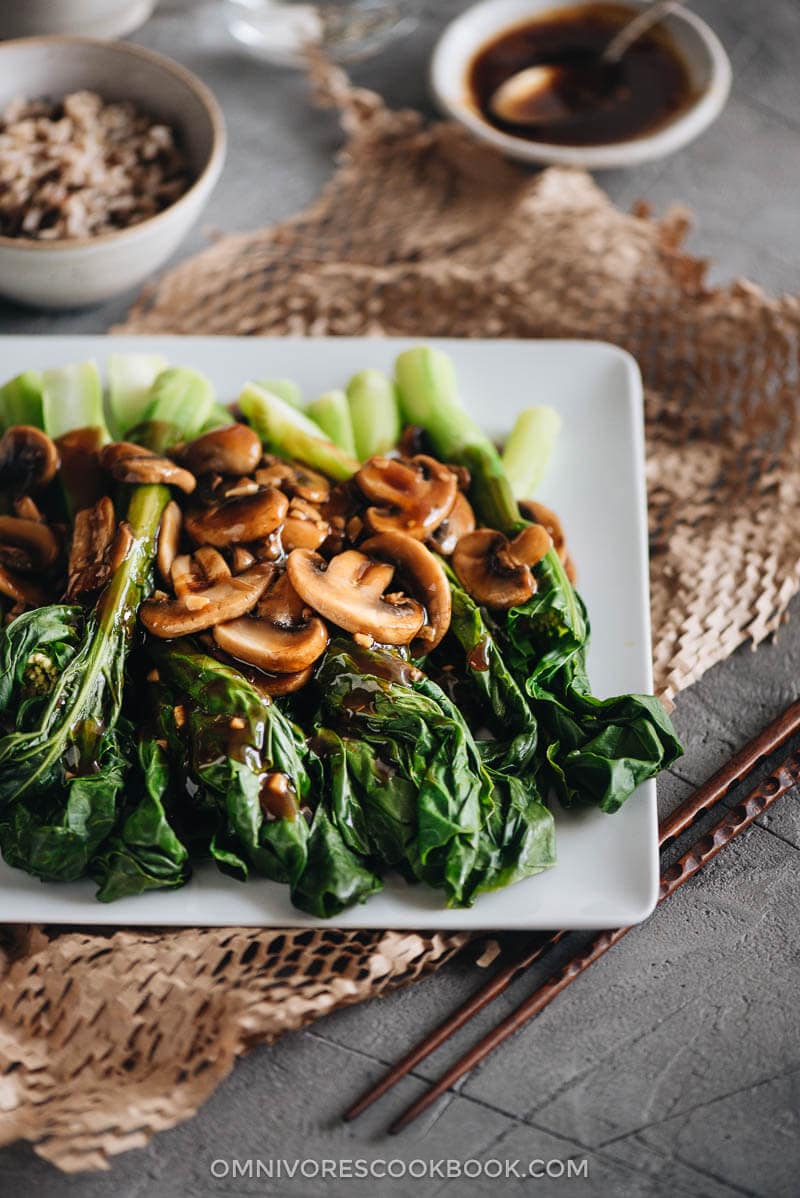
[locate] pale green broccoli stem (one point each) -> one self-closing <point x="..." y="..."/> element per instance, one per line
<point x="332" y="413"/>
<point x="290" y="433"/>
<point x="72" y="398"/>
<point x="529" y="448"/>
<point x="182" y="399"/>
<point x="21" y="400"/>
<point x="286" y="389"/>
<point x="375" y="413"/>
<point x="130" y="380"/>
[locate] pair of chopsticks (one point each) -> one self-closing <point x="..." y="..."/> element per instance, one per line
<point x="731" y="825"/>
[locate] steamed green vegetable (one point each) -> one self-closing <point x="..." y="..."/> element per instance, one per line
<point x="130" y="380"/>
<point x="528" y="449"/>
<point x="598" y="751"/>
<point x="332" y="413"/>
<point x="372" y="398"/>
<point x="21" y="400"/>
<point x="286" y="431"/>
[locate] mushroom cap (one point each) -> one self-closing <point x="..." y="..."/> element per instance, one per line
<point x="234" y="449"/>
<point x="28" y="458"/>
<point x="21" y="590"/>
<point x="460" y="521"/>
<point x="243" y="518"/>
<point x="414" y="496"/>
<point x="194" y="611"/>
<point x="129" y="463"/>
<point x="282" y="636"/>
<point x="483" y="562"/>
<point x="428" y="582"/>
<point x="530" y="545"/>
<point x="32" y="545"/>
<point x="169" y="535"/>
<point x="295" y="479"/>
<point x="88" y="568"/>
<point x="348" y="591"/>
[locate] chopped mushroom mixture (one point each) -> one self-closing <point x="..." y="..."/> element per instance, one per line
<point x="265" y="556"/>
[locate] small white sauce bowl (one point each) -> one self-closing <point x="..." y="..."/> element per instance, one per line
<point x="705" y="58"/>
<point x="75" y="272"/>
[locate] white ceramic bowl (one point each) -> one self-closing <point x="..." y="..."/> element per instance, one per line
<point x="72" y="273"/>
<point x="708" y="65"/>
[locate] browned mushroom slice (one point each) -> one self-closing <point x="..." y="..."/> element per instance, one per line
<point x="349" y="591"/>
<point x="426" y="579"/>
<point x="484" y="564"/>
<point x="169" y="535"/>
<point x="235" y="521"/>
<point x="26" y="509"/>
<point x="460" y="521"/>
<point x="27" y="545"/>
<point x="413" y="496"/>
<point x="533" y="510"/>
<point x="129" y="463"/>
<point x="88" y="569"/>
<point x="282" y="636"/>
<point x="234" y="449"/>
<point x="195" y="611"/>
<point x="28" y="458"/>
<point x="304" y="527"/>
<point x="23" y="592"/>
<point x="241" y="559"/>
<point x="284" y="684"/>
<point x="530" y="545"/>
<point x="294" y="478"/>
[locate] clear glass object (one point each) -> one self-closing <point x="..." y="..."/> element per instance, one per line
<point x="281" y="30"/>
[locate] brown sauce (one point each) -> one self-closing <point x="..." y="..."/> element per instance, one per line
<point x="647" y="88"/>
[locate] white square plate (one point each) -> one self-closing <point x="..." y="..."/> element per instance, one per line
<point x="607" y="871"/>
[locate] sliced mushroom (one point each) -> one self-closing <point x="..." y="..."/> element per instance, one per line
<point x="460" y="521"/>
<point x="284" y="684"/>
<point x="129" y="463"/>
<point x="294" y="478"/>
<point x="27" y="545"/>
<point x="427" y="581"/>
<point x="26" y="509"/>
<point x="304" y="527"/>
<point x="24" y="592"/>
<point x="28" y="458"/>
<point x="533" y="510"/>
<point x="349" y="591"/>
<point x="212" y="563"/>
<point x="88" y="569"/>
<point x="490" y="574"/>
<point x="241" y="559"/>
<point x="169" y="535"/>
<point x="196" y="610"/>
<point x="282" y="636"/>
<point x="234" y="449"/>
<point x="414" y="496"/>
<point x="235" y="521"/>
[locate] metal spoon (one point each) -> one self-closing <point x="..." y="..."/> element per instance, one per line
<point x="539" y="95"/>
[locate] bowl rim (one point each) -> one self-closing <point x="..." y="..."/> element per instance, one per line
<point x="701" y="113"/>
<point x="207" y="177"/>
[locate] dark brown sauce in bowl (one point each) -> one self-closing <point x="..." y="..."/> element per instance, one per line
<point x="606" y="104"/>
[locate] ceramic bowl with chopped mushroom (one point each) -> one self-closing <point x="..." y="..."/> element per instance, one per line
<point x="316" y="644"/>
<point x="108" y="152"/>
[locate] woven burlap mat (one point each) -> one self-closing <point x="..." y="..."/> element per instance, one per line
<point x="107" y="1039"/>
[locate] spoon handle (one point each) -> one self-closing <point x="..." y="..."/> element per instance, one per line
<point x="639" y="25"/>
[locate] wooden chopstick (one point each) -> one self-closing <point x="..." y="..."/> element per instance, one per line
<point x="732" y="824"/>
<point x="776" y="733"/>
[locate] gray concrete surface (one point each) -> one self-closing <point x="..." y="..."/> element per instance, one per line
<point x="673" y="1067"/>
